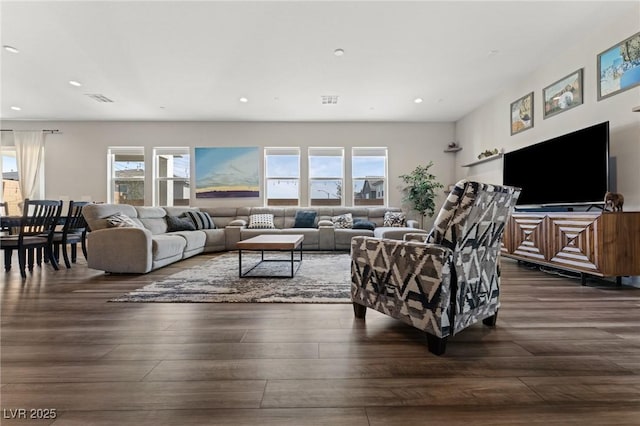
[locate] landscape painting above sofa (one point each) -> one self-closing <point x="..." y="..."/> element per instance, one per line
<point x="227" y="172"/>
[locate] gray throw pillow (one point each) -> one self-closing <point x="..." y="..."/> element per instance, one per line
<point x="175" y="223"/>
<point x="119" y="220"/>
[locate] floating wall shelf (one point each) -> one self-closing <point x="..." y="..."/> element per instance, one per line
<point x="456" y="149"/>
<point x="636" y="109"/>
<point x="484" y="160"/>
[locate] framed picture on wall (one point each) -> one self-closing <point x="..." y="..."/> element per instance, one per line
<point x="619" y="67"/>
<point x="522" y="114"/>
<point x="563" y="95"/>
<point x="227" y="172"/>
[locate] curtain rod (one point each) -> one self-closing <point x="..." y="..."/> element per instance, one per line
<point x="44" y="130"/>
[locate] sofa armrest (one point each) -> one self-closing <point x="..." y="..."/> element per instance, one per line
<point x="412" y="223"/>
<point x="410" y="281"/>
<point x="120" y="250"/>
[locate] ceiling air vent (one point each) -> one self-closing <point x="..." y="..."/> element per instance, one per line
<point x="98" y="97"/>
<point x="329" y="100"/>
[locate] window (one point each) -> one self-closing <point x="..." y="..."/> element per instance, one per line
<point x="282" y="176"/>
<point x="369" y="176"/>
<point x="171" y="172"/>
<point x="326" y="176"/>
<point x="10" y="184"/>
<point x="126" y="176"/>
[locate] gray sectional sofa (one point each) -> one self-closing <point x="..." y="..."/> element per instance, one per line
<point x="148" y="245"/>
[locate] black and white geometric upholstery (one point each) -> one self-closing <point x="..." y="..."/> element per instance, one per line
<point x="447" y="281"/>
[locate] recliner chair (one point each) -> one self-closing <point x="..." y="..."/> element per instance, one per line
<point x="446" y="281"/>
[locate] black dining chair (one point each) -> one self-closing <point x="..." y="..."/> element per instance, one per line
<point x="39" y="219"/>
<point x="74" y="232"/>
<point x="5" y="229"/>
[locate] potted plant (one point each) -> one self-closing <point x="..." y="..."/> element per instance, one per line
<point x="420" y="190"/>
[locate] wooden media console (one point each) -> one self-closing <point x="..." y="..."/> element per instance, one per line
<point x="602" y="244"/>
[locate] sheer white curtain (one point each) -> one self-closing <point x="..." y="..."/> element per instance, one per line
<point x="29" y="150"/>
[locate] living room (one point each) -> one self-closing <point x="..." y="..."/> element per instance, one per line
<point x="108" y="348"/>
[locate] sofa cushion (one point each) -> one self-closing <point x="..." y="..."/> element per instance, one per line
<point x="261" y="221"/>
<point x="201" y="220"/>
<point x="195" y="240"/>
<point x="305" y="219"/>
<point x="167" y="246"/>
<point x="179" y="224"/>
<point x="343" y="221"/>
<point x="363" y="224"/>
<point x="392" y="219"/>
<point x="119" y="220"/>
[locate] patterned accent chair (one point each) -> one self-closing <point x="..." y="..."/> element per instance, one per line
<point x="444" y="281"/>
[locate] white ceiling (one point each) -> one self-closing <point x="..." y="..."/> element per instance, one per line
<point x="178" y="60"/>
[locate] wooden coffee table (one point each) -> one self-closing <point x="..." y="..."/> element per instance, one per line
<point x="268" y="242"/>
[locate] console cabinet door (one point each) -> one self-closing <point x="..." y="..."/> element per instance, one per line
<point x="573" y="241"/>
<point x="528" y="239"/>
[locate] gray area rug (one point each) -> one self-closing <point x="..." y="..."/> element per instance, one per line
<point x="322" y="278"/>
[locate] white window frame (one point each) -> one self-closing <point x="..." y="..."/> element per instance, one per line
<point x="112" y="151"/>
<point x="158" y="153"/>
<point x="371" y="152"/>
<point x="275" y="151"/>
<point x="326" y="152"/>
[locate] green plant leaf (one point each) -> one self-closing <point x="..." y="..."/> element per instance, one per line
<point x="420" y="189"/>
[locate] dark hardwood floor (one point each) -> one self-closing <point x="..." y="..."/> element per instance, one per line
<point x="561" y="354"/>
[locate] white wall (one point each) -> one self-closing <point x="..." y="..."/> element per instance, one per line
<point x="488" y="127"/>
<point x="76" y="159"/>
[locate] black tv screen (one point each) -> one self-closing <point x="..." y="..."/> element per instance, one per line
<point x="567" y="170"/>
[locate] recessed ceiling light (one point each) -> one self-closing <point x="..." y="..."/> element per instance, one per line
<point x="10" y="49"/>
<point x="16" y="108"/>
<point x="493" y="52"/>
<point x="338" y="52"/>
<point x="418" y="100"/>
<point x="244" y="100"/>
<point x="75" y="83"/>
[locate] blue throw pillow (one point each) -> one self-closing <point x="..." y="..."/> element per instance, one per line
<point x="363" y="224"/>
<point x="305" y="219"/>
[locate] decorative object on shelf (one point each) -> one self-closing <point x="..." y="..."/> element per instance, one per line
<point x="619" y="67"/>
<point x="562" y="95"/>
<point x="488" y="153"/>
<point x="453" y="147"/>
<point x="420" y="190"/>
<point x="636" y="109"/>
<point x="485" y="159"/>
<point x="613" y="202"/>
<point x="522" y="114"/>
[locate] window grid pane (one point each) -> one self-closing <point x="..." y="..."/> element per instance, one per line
<point x="368" y="173"/>
<point x="127" y="173"/>
<point x="172" y="170"/>
<point x="325" y="192"/>
<point x="282" y="176"/>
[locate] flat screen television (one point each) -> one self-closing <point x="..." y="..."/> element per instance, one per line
<point x="571" y="169"/>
